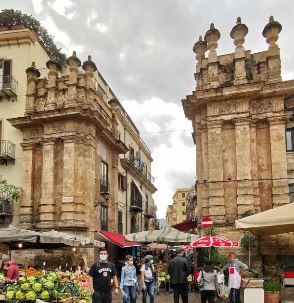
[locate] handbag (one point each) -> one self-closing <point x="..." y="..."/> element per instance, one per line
<point x="201" y="282"/>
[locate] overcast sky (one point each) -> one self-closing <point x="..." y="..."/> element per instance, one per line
<point x="143" y="48"/>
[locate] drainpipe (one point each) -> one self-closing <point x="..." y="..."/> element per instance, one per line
<point x="127" y="202"/>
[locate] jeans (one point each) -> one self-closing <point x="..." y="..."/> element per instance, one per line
<point x="102" y="296"/>
<point x="150" y="290"/>
<point x="234" y="296"/>
<point x="180" y="290"/>
<point x="130" y="292"/>
<point x="207" y="296"/>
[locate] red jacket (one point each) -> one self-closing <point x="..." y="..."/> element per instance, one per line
<point x="12" y="271"/>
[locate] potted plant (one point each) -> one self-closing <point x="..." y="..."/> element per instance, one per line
<point x="272" y="291"/>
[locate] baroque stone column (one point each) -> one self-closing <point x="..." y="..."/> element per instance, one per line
<point x="33" y="75"/>
<point x="54" y="67"/>
<point x="280" y="188"/>
<point x="204" y="205"/>
<point x="27" y="203"/>
<point x="243" y="158"/>
<point x="215" y="171"/>
<point x="47" y="204"/>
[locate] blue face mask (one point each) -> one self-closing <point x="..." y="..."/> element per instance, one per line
<point x="103" y="258"/>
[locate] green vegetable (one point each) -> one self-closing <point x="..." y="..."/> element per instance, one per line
<point x="9" y="295"/>
<point x="31" y="279"/>
<point x="25" y="286"/>
<point x="49" y="285"/>
<point x="45" y="295"/>
<point x="22" y="280"/>
<point x="37" y="287"/>
<point x="31" y="296"/>
<point x="19" y="295"/>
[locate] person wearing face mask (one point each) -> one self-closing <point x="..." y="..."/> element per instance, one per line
<point x="101" y="274"/>
<point x="147" y="279"/>
<point x="128" y="282"/>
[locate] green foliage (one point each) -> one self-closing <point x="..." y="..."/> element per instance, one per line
<point x="210" y="231"/>
<point x="247" y="213"/>
<point x="9" y="192"/>
<point x="11" y="17"/>
<point x="272" y="286"/>
<point x="248" y="241"/>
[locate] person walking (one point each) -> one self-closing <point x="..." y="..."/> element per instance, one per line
<point x="234" y="268"/>
<point x="128" y="282"/>
<point x="101" y="274"/>
<point x="147" y="279"/>
<point x="207" y="281"/>
<point x="179" y="270"/>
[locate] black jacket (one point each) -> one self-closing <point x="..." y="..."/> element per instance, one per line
<point x="178" y="270"/>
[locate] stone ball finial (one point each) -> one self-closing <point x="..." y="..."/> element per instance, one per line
<point x="113" y="103"/>
<point x="89" y="65"/>
<point x="211" y="37"/>
<point x="32" y="71"/>
<point x="238" y="33"/>
<point x="271" y="31"/>
<point x="73" y="60"/>
<point x="200" y="47"/>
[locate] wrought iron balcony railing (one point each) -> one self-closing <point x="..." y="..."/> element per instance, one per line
<point x="9" y="85"/>
<point x="7" y="150"/>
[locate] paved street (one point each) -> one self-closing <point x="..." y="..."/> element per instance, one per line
<point x="163" y="297"/>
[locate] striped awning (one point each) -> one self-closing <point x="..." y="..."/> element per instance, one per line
<point x="167" y="234"/>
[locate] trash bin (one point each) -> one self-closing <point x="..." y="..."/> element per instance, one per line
<point x="253" y="290"/>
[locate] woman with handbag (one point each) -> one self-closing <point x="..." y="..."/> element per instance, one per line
<point x="207" y="281"/>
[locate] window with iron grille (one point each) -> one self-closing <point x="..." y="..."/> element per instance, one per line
<point x="104" y="218"/>
<point x="122" y="182"/>
<point x="291" y="192"/>
<point x="120" y="222"/>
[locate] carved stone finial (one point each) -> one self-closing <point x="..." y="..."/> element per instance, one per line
<point x="211" y="37"/>
<point x="238" y="33"/>
<point x="53" y="65"/>
<point x="32" y="71"/>
<point x="89" y="65"/>
<point x="200" y="47"/>
<point x="73" y="60"/>
<point x="113" y="103"/>
<point x="271" y="32"/>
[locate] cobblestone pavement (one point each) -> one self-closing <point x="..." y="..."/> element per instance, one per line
<point x="163" y="297"/>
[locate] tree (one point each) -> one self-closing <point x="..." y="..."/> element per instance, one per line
<point x="248" y="242"/>
<point x="9" y="192"/>
<point x="11" y="17"/>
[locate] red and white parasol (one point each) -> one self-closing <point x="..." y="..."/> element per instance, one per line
<point x="210" y="241"/>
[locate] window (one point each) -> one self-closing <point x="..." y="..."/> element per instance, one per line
<point x="183" y="203"/>
<point x="183" y="195"/>
<point x="120" y="222"/>
<point x="290" y="139"/>
<point x="132" y="155"/>
<point x="291" y="192"/>
<point x="103" y="177"/>
<point x="104" y="216"/>
<point x="122" y="182"/>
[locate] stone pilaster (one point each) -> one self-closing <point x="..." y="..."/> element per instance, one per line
<point x="254" y="168"/>
<point x="204" y="205"/>
<point x="215" y="171"/>
<point x="199" y="168"/>
<point x="27" y="203"/>
<point x="280" y="188"/>
<point x="47" y="205"/>
<point x="54" y="67"/>
<point x="243" y="157"/>
<point x="33" y="75"/>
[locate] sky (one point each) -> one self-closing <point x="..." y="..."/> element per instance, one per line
<point x="143" y="48"/>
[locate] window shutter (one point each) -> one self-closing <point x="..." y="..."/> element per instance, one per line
<point x="124" y="183"/>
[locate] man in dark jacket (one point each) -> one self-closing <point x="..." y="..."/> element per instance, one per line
<point x="179" y="270"/>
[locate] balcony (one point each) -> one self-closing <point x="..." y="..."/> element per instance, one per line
<point x="146" y="178"/>
<point x="9" y="86"/>
<point x="149" y="213"/>
<point x="136" y="205"/>
<point x="7" y="150"/>
<point x="5" y="212"/>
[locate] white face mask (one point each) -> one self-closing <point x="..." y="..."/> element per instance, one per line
<point x="103" y="258"/>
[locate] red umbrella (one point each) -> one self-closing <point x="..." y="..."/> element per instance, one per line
<point x="213" y="241"/>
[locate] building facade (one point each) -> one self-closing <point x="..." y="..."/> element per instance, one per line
<point x="240" y="111"/>
<point x="18" y="48"/>
<point x="170" y="215"/>
<point x="73" y="138"/>
<point x="191" y="205"/>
